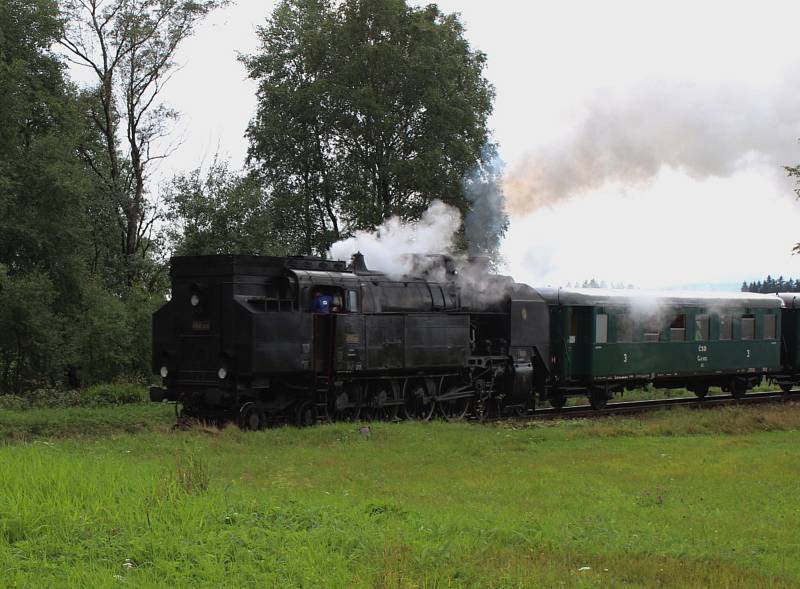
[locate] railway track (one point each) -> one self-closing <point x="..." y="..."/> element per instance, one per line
<point x="633" y="407"/>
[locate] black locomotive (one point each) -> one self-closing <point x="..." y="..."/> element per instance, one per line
<point x="240" y="339"/>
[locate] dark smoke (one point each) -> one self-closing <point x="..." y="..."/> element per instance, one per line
<point x="486" y="221"/>
<point x="701" y="131"/>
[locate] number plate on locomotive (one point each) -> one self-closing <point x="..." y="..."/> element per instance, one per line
<point x="201" y="325"/>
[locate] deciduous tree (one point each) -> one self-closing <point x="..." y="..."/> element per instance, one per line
<point x="367" y="109"/>
<point x="130" y="47"/>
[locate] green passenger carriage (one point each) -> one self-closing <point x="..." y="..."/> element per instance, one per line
<point x="603" y="342"/>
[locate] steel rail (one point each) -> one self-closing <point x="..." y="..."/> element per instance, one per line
<point x="633" y="407"/>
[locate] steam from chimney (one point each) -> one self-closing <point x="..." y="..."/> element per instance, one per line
<point x="392" y="246"/>
<point x="629" y="139"/>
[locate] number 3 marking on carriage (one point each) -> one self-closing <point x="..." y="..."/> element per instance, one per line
<point x="624" y="358"/>
<point x="748" y="352"/>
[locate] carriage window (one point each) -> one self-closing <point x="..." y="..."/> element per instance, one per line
<point x="652" y="330"/>
<point x="352" y="301"/>
<point x="748" y="327"/>
<point x="573" y="327"/>
<point x="677" y="329"/>
<point x="624" y="328"/>
<point x="701" y="325"/>
<point x="601" y="328"/>
<point x="769" y="326"/>
<point x="725" y="324"/>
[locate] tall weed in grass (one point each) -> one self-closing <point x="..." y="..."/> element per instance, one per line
<point x="191" y="471"/>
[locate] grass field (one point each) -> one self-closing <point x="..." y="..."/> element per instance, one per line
<point x="676" y="499"/>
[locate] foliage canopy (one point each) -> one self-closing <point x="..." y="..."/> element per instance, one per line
<point x="367" y="109"/>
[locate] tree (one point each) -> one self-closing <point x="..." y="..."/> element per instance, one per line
<point x="366" y="110"/>
<point x="220" y="212"/>
<point x="42" y="224"/>
<point x="30" y="334"/>
<point x="794" y="172"/>
<point x="130" y="46"/>
<point x="771" y="286"/>
<point x="40" y="180"/>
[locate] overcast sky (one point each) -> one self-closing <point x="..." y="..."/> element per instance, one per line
<point x="643" y="141"/>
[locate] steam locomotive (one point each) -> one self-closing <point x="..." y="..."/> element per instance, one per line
<point x="239" y="340"/>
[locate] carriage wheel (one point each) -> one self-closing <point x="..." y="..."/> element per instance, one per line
<point x="251" y="417"/>
<point x="306" y="414"/>
<point x="738" y="388"/>
<point x="701" y="391"/>
<point x="558" y="400"/>
<point x="598" y="399"/>
<point x="787" y="387"/>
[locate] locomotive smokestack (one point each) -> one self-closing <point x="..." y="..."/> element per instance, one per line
<point x="358" y="265"/>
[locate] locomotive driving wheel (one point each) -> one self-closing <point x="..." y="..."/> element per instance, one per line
<point x="453" y="409"/>
<point x="347" y="403"/>
<point x="420" y="399"/>
<point x="385" y="400"/>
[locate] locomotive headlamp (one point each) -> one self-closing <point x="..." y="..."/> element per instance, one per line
<point x="222" y="373"/>
<point x="164" y="372"/>
<point x="195" y="300"/>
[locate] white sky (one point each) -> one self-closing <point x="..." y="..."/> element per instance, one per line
<point x="553" y="65"/>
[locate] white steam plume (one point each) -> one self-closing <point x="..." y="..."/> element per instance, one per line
<point x="711" y="131"/>
<point x="391" y="247"/>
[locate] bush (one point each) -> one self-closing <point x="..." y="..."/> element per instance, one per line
<point x="101" y="395"/>
<point x="13" y="402"/>
<point x="116" y="394"/>
<point x="53" y="398"/>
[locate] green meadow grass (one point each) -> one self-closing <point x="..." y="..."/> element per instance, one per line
<point x="29" y="424"/>
<point x="675" y="499"/>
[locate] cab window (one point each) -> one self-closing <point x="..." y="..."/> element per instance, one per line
<point x="352" y="301"/>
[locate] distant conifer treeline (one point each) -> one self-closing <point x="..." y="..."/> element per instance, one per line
<point x="594" y="283"/>
<point x="771" y="285"/>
